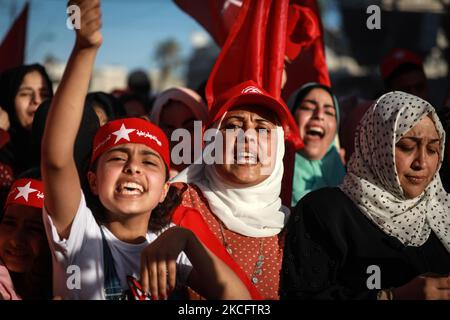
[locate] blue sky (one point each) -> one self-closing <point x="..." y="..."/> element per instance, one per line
<point x="131" y="29"/>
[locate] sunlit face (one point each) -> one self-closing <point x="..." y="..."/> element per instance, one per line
<point x="22" y="238"/>
<point x="251" y="162"/>
<point x="316" y="118"/>
<point x="32" y="91"/>
<point x="413" y="82"/>
<point x="417" y="157"/>
<point x="130" y="179"/>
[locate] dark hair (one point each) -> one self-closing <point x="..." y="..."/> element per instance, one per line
<point x="16" y="153"/>
<point x="142" y="100"/>
<point x="32" y="173"/>
<point x="401" y="69"/>
<point x="303" y="91"/>
<point x="10" y="81"/>
<point x="83" y="142"/>
<point x="110" y="104"/>
<point x="307" y="89"/>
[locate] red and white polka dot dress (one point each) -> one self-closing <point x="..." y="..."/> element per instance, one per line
<point x="259" y="258"/>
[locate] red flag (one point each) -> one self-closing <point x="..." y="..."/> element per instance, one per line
<point x="12" y="48"/>
<point x="254" y="49"/>
<point x="254" y="53"/>
<point x="305" y="47"/>
<point x="304" y="35"/>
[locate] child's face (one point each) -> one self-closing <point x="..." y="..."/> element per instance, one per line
<point x="130" y="179"/>
<point x="22" y="237"/>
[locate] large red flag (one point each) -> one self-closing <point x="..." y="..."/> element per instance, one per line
<point x="254" y="50"/>
<point x="12" y="48"/>
<point x="304" y="48"/>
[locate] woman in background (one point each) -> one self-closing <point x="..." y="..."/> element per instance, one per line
<point x="318" y="165"/>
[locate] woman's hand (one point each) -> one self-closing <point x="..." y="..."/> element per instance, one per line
<point x="158" y="262"/>
<point x="425" y="287"/>
<point x="88" y="35"/>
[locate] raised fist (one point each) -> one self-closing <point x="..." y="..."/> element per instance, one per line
<point x="88" y="33"/>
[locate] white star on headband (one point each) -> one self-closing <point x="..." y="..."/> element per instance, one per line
<point x="25" y="191"/>
<point x="122" y="133"/>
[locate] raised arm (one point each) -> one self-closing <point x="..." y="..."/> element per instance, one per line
<point x="62" y="185"/>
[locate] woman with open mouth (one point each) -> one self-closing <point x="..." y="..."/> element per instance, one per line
<point x="384" y="232"/>
<point x="239" y="215"/>
<point x="23" y="89"/>
<point x="317" y="165"/>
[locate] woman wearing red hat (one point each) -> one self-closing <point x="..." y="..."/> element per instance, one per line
<point x="239" y="215"/>
<point x="98" y="253"/>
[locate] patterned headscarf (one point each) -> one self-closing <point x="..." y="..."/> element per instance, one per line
<point x="372" y="181"/>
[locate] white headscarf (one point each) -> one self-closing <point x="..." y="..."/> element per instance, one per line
<point x="372" y="181"/>
<point x="251" y="211"/>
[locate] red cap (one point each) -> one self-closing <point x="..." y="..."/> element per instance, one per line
<point x="249" y="93"/>
<point x="396" y="58"/>
<point x="131" y="130"/>
<point x="27" y="192"/>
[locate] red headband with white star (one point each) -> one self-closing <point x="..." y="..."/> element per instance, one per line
<point x="27" y="192"/>
<point x="131" y="130"/>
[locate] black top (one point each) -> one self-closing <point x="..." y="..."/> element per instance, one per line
<point x="330" y="244"/>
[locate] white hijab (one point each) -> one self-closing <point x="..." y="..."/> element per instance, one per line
<point x="251" y="211"/>
<point x="372" y="182"/>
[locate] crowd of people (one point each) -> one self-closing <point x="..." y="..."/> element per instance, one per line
<point x="88" y="180"/>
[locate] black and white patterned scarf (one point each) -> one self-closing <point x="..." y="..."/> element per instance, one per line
<point x="372" y="182"/>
